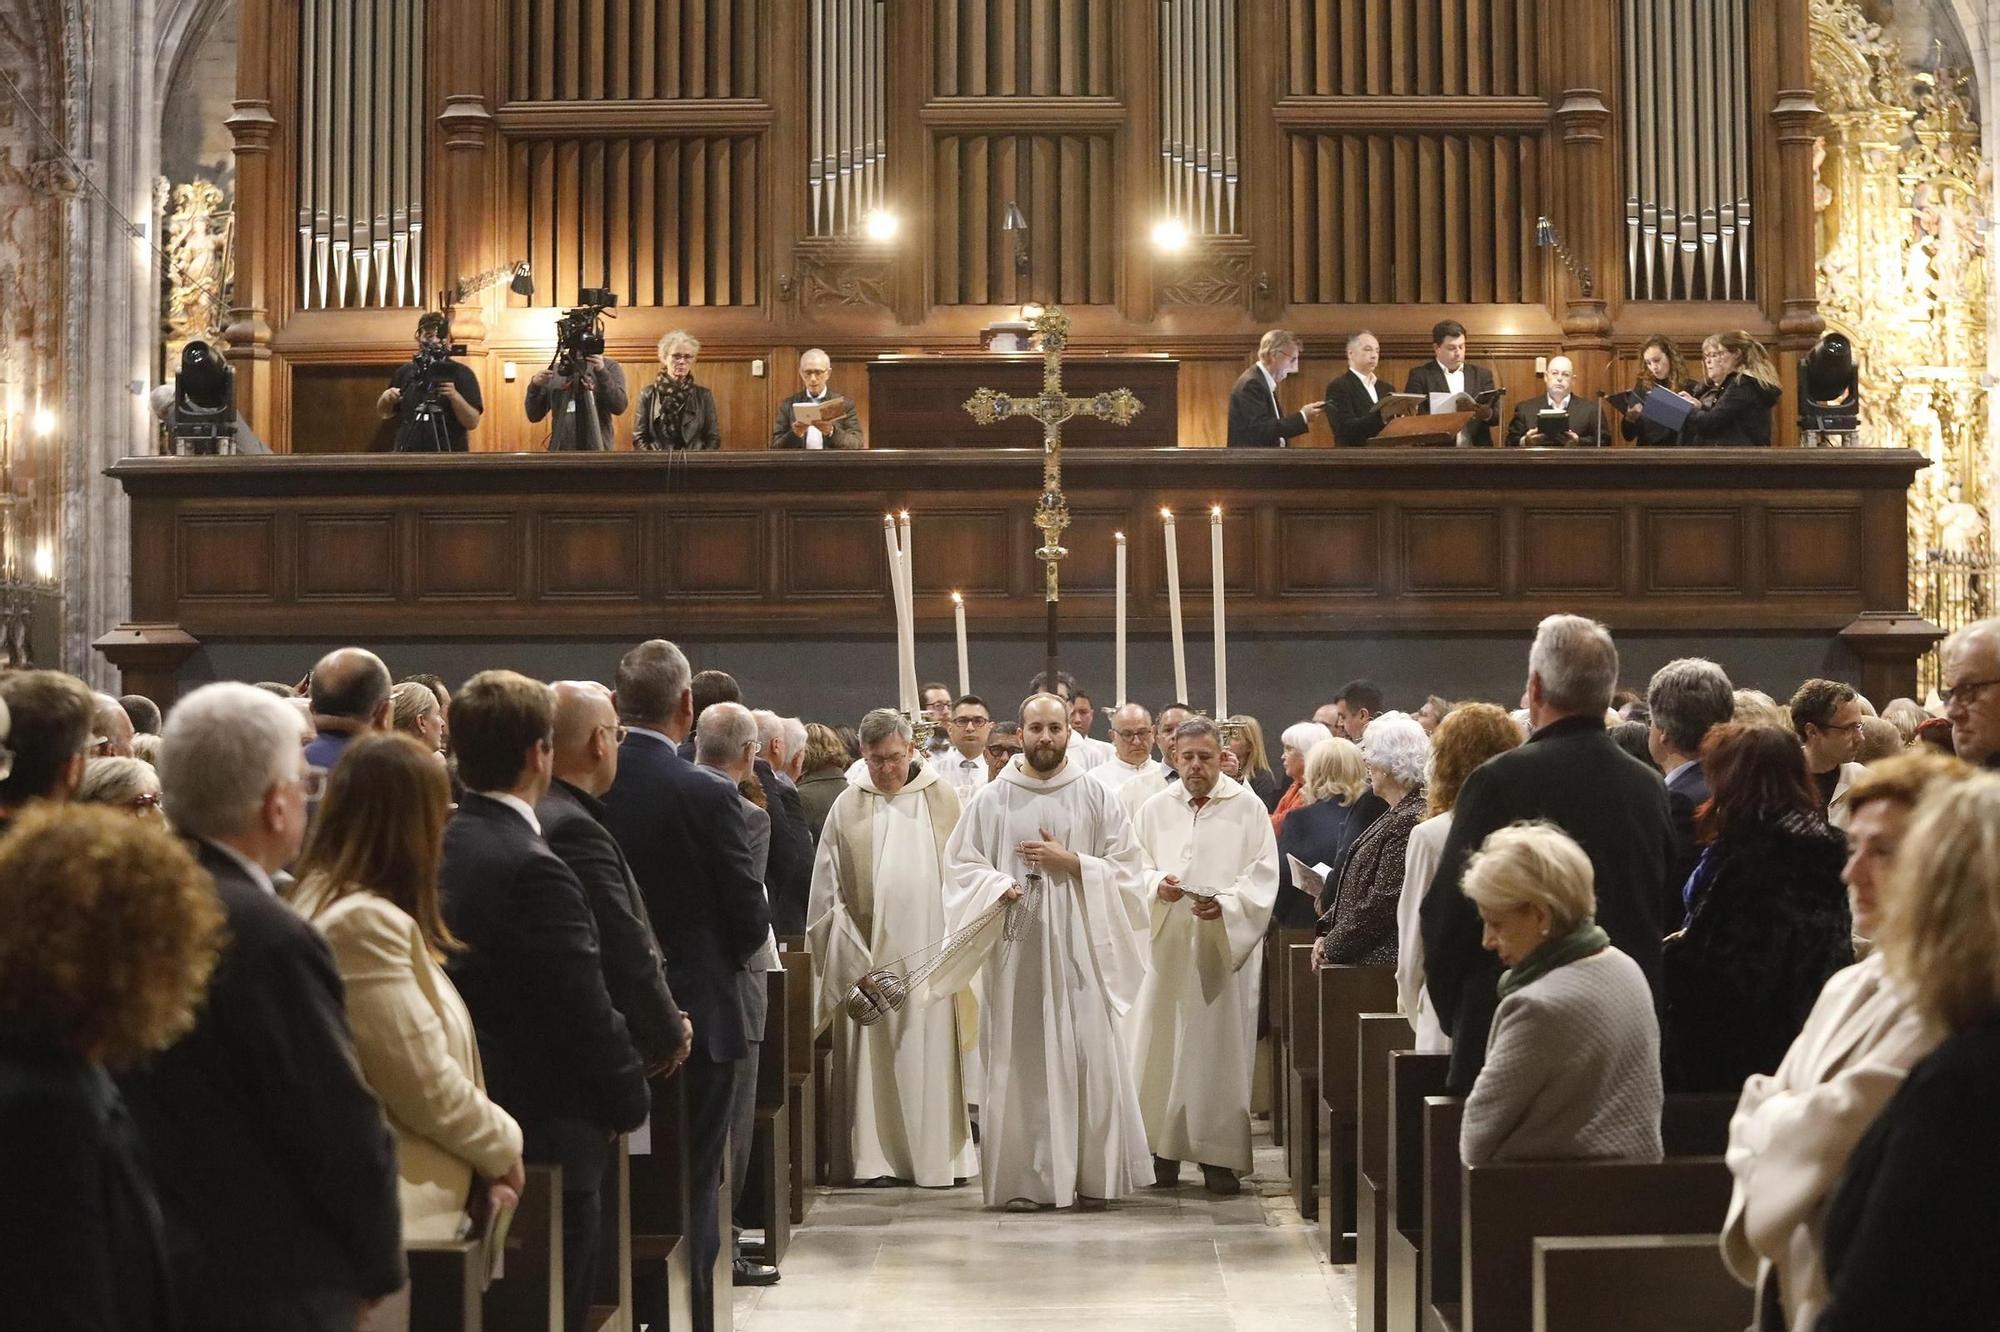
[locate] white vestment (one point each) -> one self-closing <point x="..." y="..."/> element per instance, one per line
<point x="964" y="775"/>
<point x="1059" y="1115"/>
<point x="1118" y="773"/>
<point x="1085" y="753"/>
<point x="1195" y="1039"/>
<point x="878" y="894"/>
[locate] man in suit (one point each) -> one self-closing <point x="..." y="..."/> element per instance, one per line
<point x="1685" y="700"/>
<point x="275" y="1169"/>
<point x="1256" y="421"/>
<point x="1573" y="774"/>
<point x="790" y="433"/>
<point x="52" y="718"/>
<point x="349" y="688"/>
<point x="587" y="737"/>
<point x="1558" y="378"/>
<point x="1971" y="669"/>
<point x="788" y="876"/>
<point x="557" y="1052"/>
<point x="683" y="834"/>
<point x="1354" y="400"/>
<point x="1447" y="372"/>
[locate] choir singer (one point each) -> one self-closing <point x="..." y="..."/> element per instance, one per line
<point x="1256" y="421"/>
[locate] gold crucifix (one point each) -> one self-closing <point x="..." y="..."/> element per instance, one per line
<point x="1052" y="407"/>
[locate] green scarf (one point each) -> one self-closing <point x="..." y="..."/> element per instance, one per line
<point x="1583" y="941"/>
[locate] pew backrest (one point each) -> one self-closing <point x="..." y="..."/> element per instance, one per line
<point x="1696" y="1123"/>
<point x="1442" y="1117"/>
<point x="1380" y="1033"/>
<point x="1345" y="993"/>
<point x="1637" y="1283"/>
<point x="1412" y="1077"/>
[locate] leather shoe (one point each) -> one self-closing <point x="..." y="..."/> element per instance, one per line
<point x="1024" y="1205"/>
<point x="1221" y="1181"/>
<point x="744" y="1272"/>
<point x="1166" y="1174"/>
<point x="1086" y="1203"/>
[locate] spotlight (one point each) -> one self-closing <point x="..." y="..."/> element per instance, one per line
<point x="1170" y="235"/>
<point x="45" y="422"/>
<point x="1829" y="388"/>
<point x="879" y="224"/>
<point x="45" y="563"/>
<point x="202" y="419"/>
<point x="523" y="282"/>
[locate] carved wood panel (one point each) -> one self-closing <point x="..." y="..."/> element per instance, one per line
<point x="346" y="556"/>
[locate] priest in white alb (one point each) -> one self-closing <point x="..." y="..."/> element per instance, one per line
<point x="1133" y="774"/>
<point x="877" y="895"/>
<point x="1059" y="1117"/>
<point x="1212" y="876"/>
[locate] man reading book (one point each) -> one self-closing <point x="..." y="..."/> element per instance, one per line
<point x="1554" y="418"/>
<point x="1448" y="373"/>
<point x="816" y="417"/>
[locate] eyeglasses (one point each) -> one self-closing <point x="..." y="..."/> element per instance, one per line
<point x="618" y="731"/>
<point x="971" y="721"/>
<point x="150" y="800"/>
<point x="1964" y="693"/>
<point x="1002" y="751"/>
<point x="312" y="783"/>
<point x="1852" y="728"/>
<point x="1133" y="736"/>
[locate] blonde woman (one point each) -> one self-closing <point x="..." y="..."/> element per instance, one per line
<point x="1337" y="807"/>
<point x="414" y="711"/>
<point x="1468" y="736"/>
<point x="126" y="784"/>
<point x="1251" y="761"/>
<point x="1572" y="1067"/>
<point x="1734" y="405"/>
<point x="675" y="412"/>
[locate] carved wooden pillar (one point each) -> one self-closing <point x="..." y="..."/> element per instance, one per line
<point x="262" y="244"/>
<point x="1136" y="32"/>
<point x="908" y="83"/>
<point x="464" y="195"/>
<point x="1590" y="175"/>
<point x="1261" y="152"/>
<point x="1798" y="120"/>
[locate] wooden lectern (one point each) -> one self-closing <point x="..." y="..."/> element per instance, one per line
<point x="1438" y="430"/>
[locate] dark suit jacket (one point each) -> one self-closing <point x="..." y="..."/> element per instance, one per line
<point x="696" y="428"/>
<point x="1429" y="378"/>
<point x="1652" y="434"/>
<point x="684" y="837"/>
<point x="1582" y="419"/>
<point x="1687" y="789"/>
<point x="845" y="433"/>
<point x="1572" y="773"/>
<point x="1355" y="416"/>
<point x="1254" y="422"/>
<point x="275" y="1169"/>
<point x="553" y="1046"/>
<point x="788" y="874"/>
<point x="1742" y="415"/>
<point x="635" y="971"/>
<point x="1322" y="837"/>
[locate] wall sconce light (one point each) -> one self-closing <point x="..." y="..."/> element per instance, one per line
<point x="1548" y="238"/>
<point x="45" y="562"/>
<point x="1016" y="225"/>
<point x="1170" y="235"/>
<point x="880" y="225"/>
<point x="518" y="276"/>
<point x="45" y="422"/>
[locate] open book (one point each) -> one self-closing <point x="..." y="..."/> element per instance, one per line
<point x="1668" y="408"/>
<point x="1394" y="405"/>
<point x="817" y="413"/>
<point x="1308" y="879"/>
<point x="1466" y="402"/>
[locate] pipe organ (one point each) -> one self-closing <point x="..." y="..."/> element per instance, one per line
<point x="846" y="143"/>
<point x="1198" y="113"/>
<point x="1687" y="163"/>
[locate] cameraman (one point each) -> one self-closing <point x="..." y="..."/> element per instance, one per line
<point x="432" y="419"/>
<point x="583" y="404"/>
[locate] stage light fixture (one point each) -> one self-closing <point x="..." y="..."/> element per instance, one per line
<point x="45" y="422"/>
<point x="1829" y="389"/>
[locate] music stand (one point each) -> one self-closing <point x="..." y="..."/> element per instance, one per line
<point x="1419" y="430"/>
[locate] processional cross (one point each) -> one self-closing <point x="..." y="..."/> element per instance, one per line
<point x="1052" y="407"/>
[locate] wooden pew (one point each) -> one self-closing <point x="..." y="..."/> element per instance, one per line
<point x="1439" y="1260"/>
<point x="1345" y="993"/>
<point x="1380" y="1033"/>
<point x="611" y="1301"/>
<point x="657" y="1190"/>
<point x="1277" y="949"/>
<point x="830" y="1126"/>
<point x="1637" y="1283"/>
<point x="767" y="1194"/>
<point x="1300" y="997"/>
<point x="800" y="979"/>
<point x="1412" y="1078"/>
<point x="529" y="1295"/>
<point x="447" y="1285"/>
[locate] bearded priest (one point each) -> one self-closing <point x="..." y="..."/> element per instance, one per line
<point x="878" y="895"/>
<point x="1212" y="873"/>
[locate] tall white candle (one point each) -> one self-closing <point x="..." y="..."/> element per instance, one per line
<point x="1221" y="635"/>
<point x="964" y="657"/>
<point x="909" y="607"/>
<point x="1120" y="636"/>
<point x="896" y="603"/>
<point x="1174" y="607"/>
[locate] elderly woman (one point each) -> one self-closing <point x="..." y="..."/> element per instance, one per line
<point x="1298" y="741"/>
<point x="1572" y="1066"/>
<point x="414" y="711"/>
<point x="1358" y="924"/>
<point x="1338" y="806"/>
<point x="674" y="411"/>
<point x="112" y="933"/>
<point x="1767" y="916"/>
<point x="1466" y="738"/>
<point x="823" y="775"/>
<point x="128" y="784"/>
<point x="1794" y="1130"/>
<point x="1909" y="1228"/>
<point x="1734" y="406"/>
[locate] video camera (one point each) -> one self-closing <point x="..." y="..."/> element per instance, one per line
<point x="429" y="375"/>
<point x="580" y="332"/>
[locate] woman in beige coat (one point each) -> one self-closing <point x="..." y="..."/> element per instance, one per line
<point x="1794" y="1130"/>
<point x="369" y="881"/>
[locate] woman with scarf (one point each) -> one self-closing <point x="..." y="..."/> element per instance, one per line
<point x="1573" y="1058"/>
<point x="675" y="412"/>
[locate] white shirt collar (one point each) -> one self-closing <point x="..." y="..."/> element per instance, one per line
<point x="518" y="805"/>
<point x="1555" y="406"/>
<point x="660" y="736"/>
<point x="1671" y="772"/>
<point x="1368" y="381"/>
<point x="257" y="873"/>
<point x="1269" y="382"/>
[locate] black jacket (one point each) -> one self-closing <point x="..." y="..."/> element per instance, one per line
<point x="1582" y="419"/>
<point x="1769" y="924"/>
<point x="1687" y="792"/>
<point x="1742" y="415"/>
<point x="79" y="1226"/>
<point x="1317" y="834"/>
<point x="1909" y="1230"/>
<point x="635" y="971"/>
<point x="696" y="428"/>
<point x="684" y="836"/>
<point x="553" y="1046"/>
<point x="1652" y="434"/>
<point x="275" y="1169"/>
<point x="1254" y="422"/>
<point x="844" y="433"/>
<point x="788" y="871"/>
<point x="1356" y="418"/>
<point x="1428" y="378"/>
<point x="1573" y="774"/>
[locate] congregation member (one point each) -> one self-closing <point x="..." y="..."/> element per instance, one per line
<point x="1906" y="714"/>
<point x="142" y="712"/>
<point x="1524" y="431"/>
<point x="684" y="836"/>
<point x="1661" y="366"/>
<point x="1059" y="1117"/>
<point x="78" y="1219"/>
<point x="1571" y="774"/>
<point x="1468" y="736"/>
<point x="1794" y="1130"/>
<point x="276" y="1172"/>
<point x="51" y="716"/>
<point x="1971" y="668"/>
<point x="1211" y="875"/>
<point x="1572" y="1064"/>
<point x="433" y="399"/>
<point x="1338" y="807"/>
<point x="789" y="881"/>
<point x="587" y="740"/>
<point x="1906" y="1227"/>
<point x="1767" y="918"/>
<point x="1880" y="739"/>
<point x="1754" y="705"/>
<point x="368" y="882"/>
<point x="1357" y="924"/>
<point x="1734" y="405"/>
<point x="1003" y="742"/>
<point x="414" y="711"/>
<point x="1354" y="705"/>
<point x="557" y="1054"/>
<point x="1256" y="418"/>
<point x="878" y="896"/>
<point x="1827" y="715"/>
<point x="1246" y="759"/>
<point x="1295" y="742"/>
<point x="126" y="784"/>
<point x="112" y="728"/>
<point x="349" y="689"/>
<point x="1685" y="700"/>
<point x="1354" y="399"/>
<point x="823" y="774"/>
<point x="1434" y="710"/>
<point x="963" y="766"/>
<point x="675" y="413"/>
<point x="842" y="432"/>
<point x="1447" y="372"/>
<point x="1133" y="775"/>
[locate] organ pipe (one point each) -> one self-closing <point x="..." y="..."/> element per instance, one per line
<point x="847" y="123"/>
<point x="1198" y="113"/>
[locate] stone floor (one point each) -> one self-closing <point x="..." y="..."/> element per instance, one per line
<point x="1163" y="1261"/>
